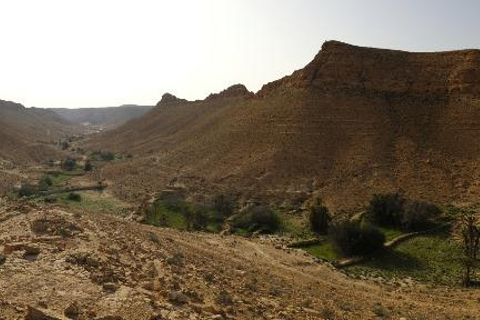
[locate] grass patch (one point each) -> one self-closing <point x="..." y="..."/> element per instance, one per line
<point x="165" y="215"/>
<point x="174" y="214"/>
<point x="323" y="250"/>
<point x="390" y="233"/>
<point x="93" y="201"/>
<point x="59" y="178"/>
<point x="431" y="258"/>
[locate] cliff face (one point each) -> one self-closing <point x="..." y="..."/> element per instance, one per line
<point x="341" y="66"/>
<point x="353" y="122"/>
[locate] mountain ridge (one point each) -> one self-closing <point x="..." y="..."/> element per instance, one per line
<point x="341" y="128"/>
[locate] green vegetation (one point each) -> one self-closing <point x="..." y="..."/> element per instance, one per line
<point x="27" y="190"/>
<point x="390" y="233"/>
<point x="88" y="166"/>
<point x="223" y="205"/>
<point x="433" y="258"/>
<point x="324" y="250"/>
<point x="182" y="215"/>
<point x="72" y="196"/>
<point x="69" y="164"/>
<point x="319" y="217"/>
<point x="92" y="201"/>
<point x="393" y="210"/>
<point x="102" y="156"/>
<point x="351" y="238"/>
<point x="257" y="218"/>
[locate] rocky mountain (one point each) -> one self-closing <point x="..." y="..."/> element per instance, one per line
<point x="353" y="122"/>
<point x="106" y="117"/>
<point x="28" y="134"/>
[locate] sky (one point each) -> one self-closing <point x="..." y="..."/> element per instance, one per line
<point x="94" y="53"/>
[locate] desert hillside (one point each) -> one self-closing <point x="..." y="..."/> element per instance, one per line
<point x="28" y="134"/>
<point x="106" y="117"/>
<point x="353" y="122"/>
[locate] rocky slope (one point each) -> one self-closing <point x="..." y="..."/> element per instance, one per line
<point x="27" y="134"/>
<point x="353" y="122"/>
<point x="106" y="117"/>
<point x="56" y="264"/>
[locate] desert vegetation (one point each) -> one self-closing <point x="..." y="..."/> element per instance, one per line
<point x="352" y="238"/>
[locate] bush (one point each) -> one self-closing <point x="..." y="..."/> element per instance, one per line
<point x="50" y="199"/>
<point x="72" y="196"/>
<point x="47" y="180"/>
<point x="88" y="166"/>
<point x="69" y="164"/>
<point x="258" y="218"/>
<point x="386" y="209"/>
<point x="43" y="186"/>
<point x="223" y="205"/>
<point x="102" y="155"/>
<point x="27" y="190"/>
<point x="197" y="218"/>
<point x="64" y="145"/>
<point x="319" y="217"/>
<point x="351" y="238"/>
<point x="419" y="215"/>
<point x="393" y="210"/>
<point x="107" y="156"/>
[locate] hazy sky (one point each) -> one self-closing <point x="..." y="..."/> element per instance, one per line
<point x="61" y="53"/>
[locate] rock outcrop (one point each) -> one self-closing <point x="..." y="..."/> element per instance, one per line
<point x="235" y="91"/>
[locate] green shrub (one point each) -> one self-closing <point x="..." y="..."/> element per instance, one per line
<point x="258" y="218"/>
<point x="69" y="164"/>
<point x="47" y="179"/>
<point x="386" y="209"/>
<point x="107" y="156"/>
<point x="88" y="166"/>
<point x="64" y="145"/>
<point x="27" y="190"/>
<point x="197" y="218"/>
<point x="43" y="186"/>
<point x="50" y="199"/>
<point x="72" y="196"/>
<point x="419" y="215"/>
<point x="393" y="210"/>
<point x="351" y="238"/>
<point x="223" y="205"/>
<point x="319" y="217"/>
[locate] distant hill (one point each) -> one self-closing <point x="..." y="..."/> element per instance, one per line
<point x="28" y="134"/>
<point x="355" y="121"/>
<point x="107" y="117"/>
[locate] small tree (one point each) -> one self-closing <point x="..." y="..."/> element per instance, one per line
<point x="27" y="190"/>
<point x="258" y="218"/>
<point x="351" y="238"/>
<point x="386" y="209"/>
<point x="223" y="205"/>
<point x="88" y="166"/>
<point x="470" y="238"/>
<point x="69" y="164"/>
<point x="319" y="217"/>
<point x="64" y="145"/>
<point x="418" y="215"/>
<point x="72" y="196"/>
